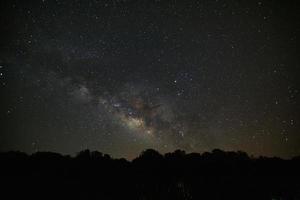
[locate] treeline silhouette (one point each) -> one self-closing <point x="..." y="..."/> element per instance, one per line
<point x="176" y="175"/>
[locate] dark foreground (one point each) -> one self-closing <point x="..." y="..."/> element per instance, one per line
<point x="92" y="175"/>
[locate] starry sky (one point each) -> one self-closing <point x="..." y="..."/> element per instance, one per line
<point x="120" y="76"/>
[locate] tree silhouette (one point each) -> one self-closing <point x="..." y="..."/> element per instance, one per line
<point x="176" y="175"/>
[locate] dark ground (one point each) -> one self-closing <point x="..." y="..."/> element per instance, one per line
<point x="177" y="175"/>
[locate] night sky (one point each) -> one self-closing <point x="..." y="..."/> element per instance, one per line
<point x="121" y="76"/>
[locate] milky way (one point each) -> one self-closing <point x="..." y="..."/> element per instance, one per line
<point x="123" y="76"/>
